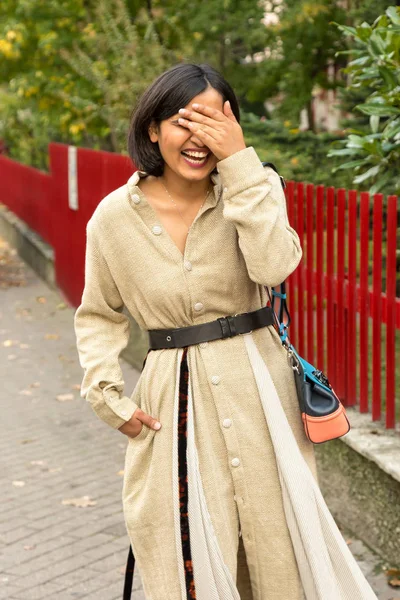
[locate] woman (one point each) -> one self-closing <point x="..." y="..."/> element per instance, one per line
<point x="220" y="491"/>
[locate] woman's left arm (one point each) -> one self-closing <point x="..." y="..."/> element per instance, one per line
<point x="255" y="202"/>
<point x="252" y="195"/>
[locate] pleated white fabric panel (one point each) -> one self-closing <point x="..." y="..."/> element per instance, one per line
<point x="175" y="480"/>
<point x="327" y="567"/>
<point x="212" y="578"/>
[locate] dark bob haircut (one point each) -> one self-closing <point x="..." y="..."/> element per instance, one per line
<point x="171" y="91"/>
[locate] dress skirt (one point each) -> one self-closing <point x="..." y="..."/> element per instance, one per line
<point x="260" y="531"/>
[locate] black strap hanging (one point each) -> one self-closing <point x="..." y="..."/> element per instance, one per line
<point x="130" y="567"/>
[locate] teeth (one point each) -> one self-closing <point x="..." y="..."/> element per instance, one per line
<point x="197" y="154"/>
<point x="195" y="161"/>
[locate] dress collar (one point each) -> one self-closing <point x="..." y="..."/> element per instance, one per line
<point x="212" y="199"/>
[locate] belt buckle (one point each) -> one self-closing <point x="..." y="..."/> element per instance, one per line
<point x="238" y="314"/>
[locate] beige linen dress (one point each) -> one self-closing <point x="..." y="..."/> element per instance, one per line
<point x="251" y="471"/>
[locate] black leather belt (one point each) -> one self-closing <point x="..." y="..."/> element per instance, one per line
<point x="221" y="328"/>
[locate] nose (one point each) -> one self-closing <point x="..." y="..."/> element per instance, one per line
<point x="197" y="141"/>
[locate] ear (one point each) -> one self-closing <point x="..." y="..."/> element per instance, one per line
<point x="153" y="132"/>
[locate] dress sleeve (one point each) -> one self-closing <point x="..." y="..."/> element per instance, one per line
<point x="102" y="332"/>
<point x="255" y="202"/>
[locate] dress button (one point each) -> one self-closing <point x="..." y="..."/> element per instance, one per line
<point x="227" y="423"/>
<point x="188" y="265"/>
<point x="156" y="229"/>
<point x="136" y="198"/>
<point x="123" y="412"/>
<point x="235" y="462"/>
<point x="215" y="379"/>
<point x="203" y="344"/>
<point x="198" y="306"/>
<point x="225" y="189"/>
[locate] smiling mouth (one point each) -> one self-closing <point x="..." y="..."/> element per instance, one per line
<point x="194" y="159"/>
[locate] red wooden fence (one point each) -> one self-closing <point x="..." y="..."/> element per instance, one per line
<point x="340" y="302"/>
<point x="330" y="299"/>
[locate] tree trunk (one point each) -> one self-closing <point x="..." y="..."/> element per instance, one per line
<point x="310" y="115"/>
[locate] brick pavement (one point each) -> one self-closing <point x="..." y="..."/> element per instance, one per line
<point x="53" y="450"/>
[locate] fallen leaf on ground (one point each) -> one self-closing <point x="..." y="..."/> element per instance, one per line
<point x="37" y="462"/>
<point x="394" y="582"/>
<point x="28" y="441"/>
<point x="35" y="384"/>
<point x="55" y="470"/>
<point x="76" y="386"/>
<point x="80" y="502"/>
<point x="61" y="306"/>
<point x="26" y="392"/>
<point x="29" y="547"/>
<point x="51" y="336"/>
<point x="18" y="483"/>
<point x="63" y="397"/>
<point x="41" y="299"/>
<point x="395" y="572"/>
<point x="121" y="472"/>
<point x="8" y="343"/>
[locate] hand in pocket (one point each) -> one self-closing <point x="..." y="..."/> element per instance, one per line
<point x="138" y="420"/>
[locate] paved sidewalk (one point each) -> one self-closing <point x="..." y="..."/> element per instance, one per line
<point x="53" y="448"/>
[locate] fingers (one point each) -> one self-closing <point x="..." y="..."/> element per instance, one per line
<point x="203" y="131"/>
<point x="147" y="419"/>
<point x="197" y="117"/>
<point x="213" y="113"/>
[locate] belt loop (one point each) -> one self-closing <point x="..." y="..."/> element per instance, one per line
<point x="225" y="327"/>
<point x="232" y="326"/>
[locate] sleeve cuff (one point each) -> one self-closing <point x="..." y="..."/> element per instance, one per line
<point x="241" y="171"/>
<point x="115" y="410"/>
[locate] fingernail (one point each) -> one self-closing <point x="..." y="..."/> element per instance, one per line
<point x="157" y="425"/>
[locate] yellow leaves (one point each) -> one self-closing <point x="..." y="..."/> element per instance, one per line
<point x="8" y="50"/>
<point x="311" y="10"/>
<point x="294" y="161"/>
<point x="287" y="123"/>
<point x="64" y="22"/>
<point x="75" y="128"/>
<point x="294" y="131"/>
<point x="8" y="45"/>
<point x="198" y="36"/>
<point x="44" y="103"/>
<point x="31" y="91"/>
<point x="14" y="36"/>
<point x="89" y="30"/>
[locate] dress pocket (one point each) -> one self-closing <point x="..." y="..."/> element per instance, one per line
<point x="142" y="434"/>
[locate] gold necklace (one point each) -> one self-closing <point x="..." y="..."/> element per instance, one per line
<point x="180" y="214"/>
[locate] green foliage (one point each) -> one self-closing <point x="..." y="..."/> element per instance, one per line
<point x="115" y="64"/>
<point x="298" y="155"/>
<point x="374" y="155"/>
<point x="52" y="89"/>
<point x="301" y="46"/>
